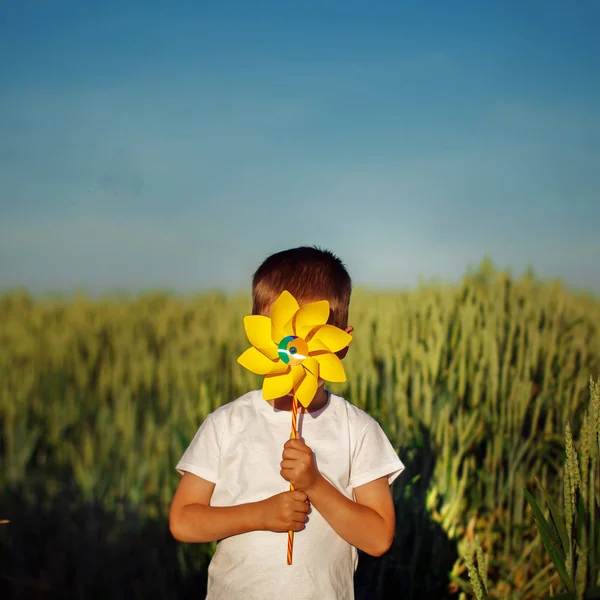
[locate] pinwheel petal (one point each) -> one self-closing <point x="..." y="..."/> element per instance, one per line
<point x="298" y="373"/>
<point x="307" y="389"/>
<point x="330" y="367"/>
<point x="256" y="361"/>
<point x="311" y="365"/>
<point x="276" y="386"/>
<point x="310" y="316"/>
<point x="258" y="330"/>
<point x="317" y="346"/>
<point x="333" y="337"/>
<point x="282" y="311"/>
<point x="279" y="367"/>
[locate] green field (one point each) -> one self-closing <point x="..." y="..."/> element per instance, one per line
<point x="474" y="384"/>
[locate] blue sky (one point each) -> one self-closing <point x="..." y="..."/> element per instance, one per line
<point x="154" y="144"/>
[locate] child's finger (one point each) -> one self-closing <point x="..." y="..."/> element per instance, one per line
<point x="298" y="445"/>
<point x="295" y="442"/>
<point x="299" y="495"/>
<point x="301" y="507"/>
<point x="293" y="453"/>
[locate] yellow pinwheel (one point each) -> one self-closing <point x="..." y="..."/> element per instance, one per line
<point x="293" y="348"/>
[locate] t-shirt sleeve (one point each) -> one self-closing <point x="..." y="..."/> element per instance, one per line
<point x="374" y="457"/>
<point x="202" y="455"/>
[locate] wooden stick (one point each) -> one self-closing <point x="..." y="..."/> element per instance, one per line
<point x="290" y="544"/>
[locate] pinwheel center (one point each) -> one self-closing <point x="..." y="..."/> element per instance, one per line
<point x="292" y="350"/>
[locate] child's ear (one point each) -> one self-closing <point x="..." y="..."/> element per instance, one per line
<point x="342" y="353"/>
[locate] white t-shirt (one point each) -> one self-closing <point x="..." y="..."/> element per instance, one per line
<point x="238" y="447"/>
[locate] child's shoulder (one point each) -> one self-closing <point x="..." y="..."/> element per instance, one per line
<point x="354" y="415"/>
<point x="242" y="405"/>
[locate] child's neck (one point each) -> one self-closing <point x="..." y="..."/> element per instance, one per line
<point x="317" y="403"/>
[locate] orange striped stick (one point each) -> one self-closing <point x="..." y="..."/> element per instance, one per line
<point x="290" y="544"/>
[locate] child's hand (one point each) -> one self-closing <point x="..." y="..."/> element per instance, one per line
<point x="298" y="465"/>
<point x="284" y="512"/>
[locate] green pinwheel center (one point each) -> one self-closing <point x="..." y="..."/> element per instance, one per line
<point x="292" y="350"/>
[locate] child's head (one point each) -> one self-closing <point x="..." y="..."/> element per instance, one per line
<point x="309" y="274"/>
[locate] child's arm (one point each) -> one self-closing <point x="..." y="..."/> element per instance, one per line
<point x="192" y="519"/>
<point x="369" y="523"/>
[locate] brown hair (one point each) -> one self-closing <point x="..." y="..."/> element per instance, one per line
<point x="308" y="273"/>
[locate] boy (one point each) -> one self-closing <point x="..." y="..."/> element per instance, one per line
<point x="237" y="470"/>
